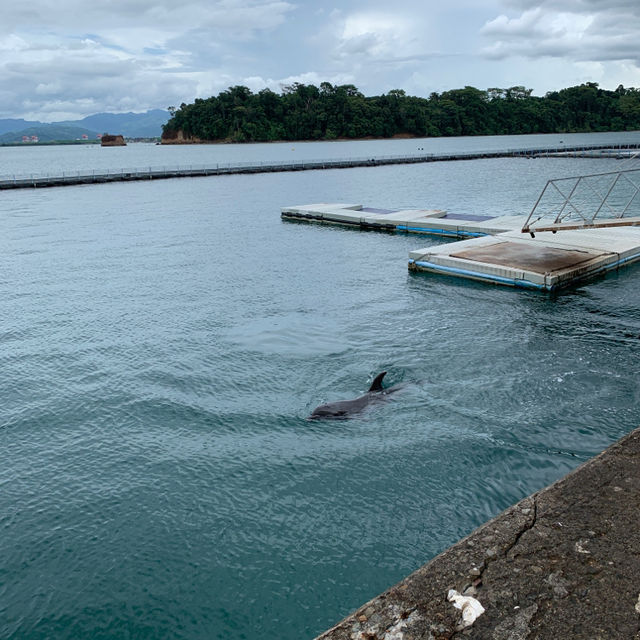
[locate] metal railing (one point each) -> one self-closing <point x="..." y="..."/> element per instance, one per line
<point x="589" y="201"/>
<point x="159" y="172"/>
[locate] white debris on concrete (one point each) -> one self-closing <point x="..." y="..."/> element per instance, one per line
<point x="638" y="605"/>
<point x="370" y="624"/>
<point x="396" y="632"/>
<point x="580" y="546"/>
<point x="471" y="608"/>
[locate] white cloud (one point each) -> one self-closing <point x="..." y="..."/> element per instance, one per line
<point x="242" y="17"/>
<point x="378" y="35"/>
<point x="576" y="6"/>
<point x="536" y="34"/>
<point x="75" y="58"/>
<point x="13" y="43"/>
<point x="569" y="29"/>
<point x="311" y="77"/>
<point x="139" y="51"/>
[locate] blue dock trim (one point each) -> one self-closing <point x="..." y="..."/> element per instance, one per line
<point x="524" y="284"/>
<point x="476" y="275"/>
<point x="449" y="233"/>
<point x="614" y="265"/>
<point x="627" y="260"/>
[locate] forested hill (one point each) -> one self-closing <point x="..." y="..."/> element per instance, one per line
<point x="307" y="112"/>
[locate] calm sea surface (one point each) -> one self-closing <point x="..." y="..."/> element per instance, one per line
<point x="162" y="343"/>
<point x="55" y="160"/>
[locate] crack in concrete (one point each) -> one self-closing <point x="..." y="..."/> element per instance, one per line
<point x="478" y="580"/>
<point x="526" y="527"/>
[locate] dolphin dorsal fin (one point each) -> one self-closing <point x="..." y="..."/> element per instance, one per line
<point x="376" y="385"/>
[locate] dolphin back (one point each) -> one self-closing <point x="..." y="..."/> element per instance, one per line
<point x="346" y="408"/>
<point x="376" y="385"/>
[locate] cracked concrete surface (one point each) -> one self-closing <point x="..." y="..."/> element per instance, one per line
<point x="562" y="563"/>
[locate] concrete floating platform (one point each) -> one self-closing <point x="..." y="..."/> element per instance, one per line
<point x="423" y="221"/>
<point x="547" y="262"/>
<point x="562" y="563"/>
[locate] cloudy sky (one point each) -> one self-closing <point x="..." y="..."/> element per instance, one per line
<point x="66" y="59"/>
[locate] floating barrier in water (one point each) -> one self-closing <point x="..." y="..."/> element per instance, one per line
<point x="423" y="221"/>
<point x="69" y="178"/>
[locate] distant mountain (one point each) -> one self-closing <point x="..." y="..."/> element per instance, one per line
<point x="12" y="124"/>
<point x="48" y="133"/>
<point x="130" y="125"/>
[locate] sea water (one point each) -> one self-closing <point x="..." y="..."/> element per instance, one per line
<point x="162" y="344"/>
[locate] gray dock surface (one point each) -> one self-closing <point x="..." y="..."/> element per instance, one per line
<point x="434" y="222"/>
<point x="547" y="262"/>
<point x="562" y="563"/>
<point x="161" y="173"/>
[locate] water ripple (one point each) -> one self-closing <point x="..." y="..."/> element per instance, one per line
<point x="162" y="346"/>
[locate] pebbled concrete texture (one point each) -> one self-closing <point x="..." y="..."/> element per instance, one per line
<point x="562" y="563"/>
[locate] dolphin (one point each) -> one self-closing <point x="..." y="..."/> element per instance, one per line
<point x="346" y="408"/>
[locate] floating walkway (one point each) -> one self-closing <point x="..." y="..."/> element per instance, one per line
<point x="547" y="262"/>
<point x="619" y="154"/>
<point x="519" y="251"/>
<point x="424" y="221"/>
<point x="161" y="173"/>
<point x="491" y="249"/>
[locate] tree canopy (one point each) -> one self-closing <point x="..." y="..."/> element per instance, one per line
<point x="307" y="112"/>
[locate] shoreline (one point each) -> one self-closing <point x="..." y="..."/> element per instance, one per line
<point x="561" y="563"/>
<point x="52" y="143"/>
<point x="221" y="141"/>
<point x="398" y="136"/>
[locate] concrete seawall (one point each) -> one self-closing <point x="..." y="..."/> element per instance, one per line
<point x="562" y="563"/>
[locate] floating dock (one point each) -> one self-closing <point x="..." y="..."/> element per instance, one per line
<point x="547" y="262"/>
<point x="33" y="180"/>
<point x="424" y="221"/>
<point x="519" y="251"/>
<point x="490" y="249"/>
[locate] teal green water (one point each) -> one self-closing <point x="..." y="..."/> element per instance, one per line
<point x="161" y="345"/>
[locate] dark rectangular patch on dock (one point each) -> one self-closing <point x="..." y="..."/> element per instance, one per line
<point x="527" y="256"/>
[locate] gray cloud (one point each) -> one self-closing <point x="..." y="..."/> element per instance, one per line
<point x="238" y="16"/>
<point x="68" y="58"/>
<point x="146" y="53"/>
<point x="577" y="30"/>
<point x="575" y="6"/>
